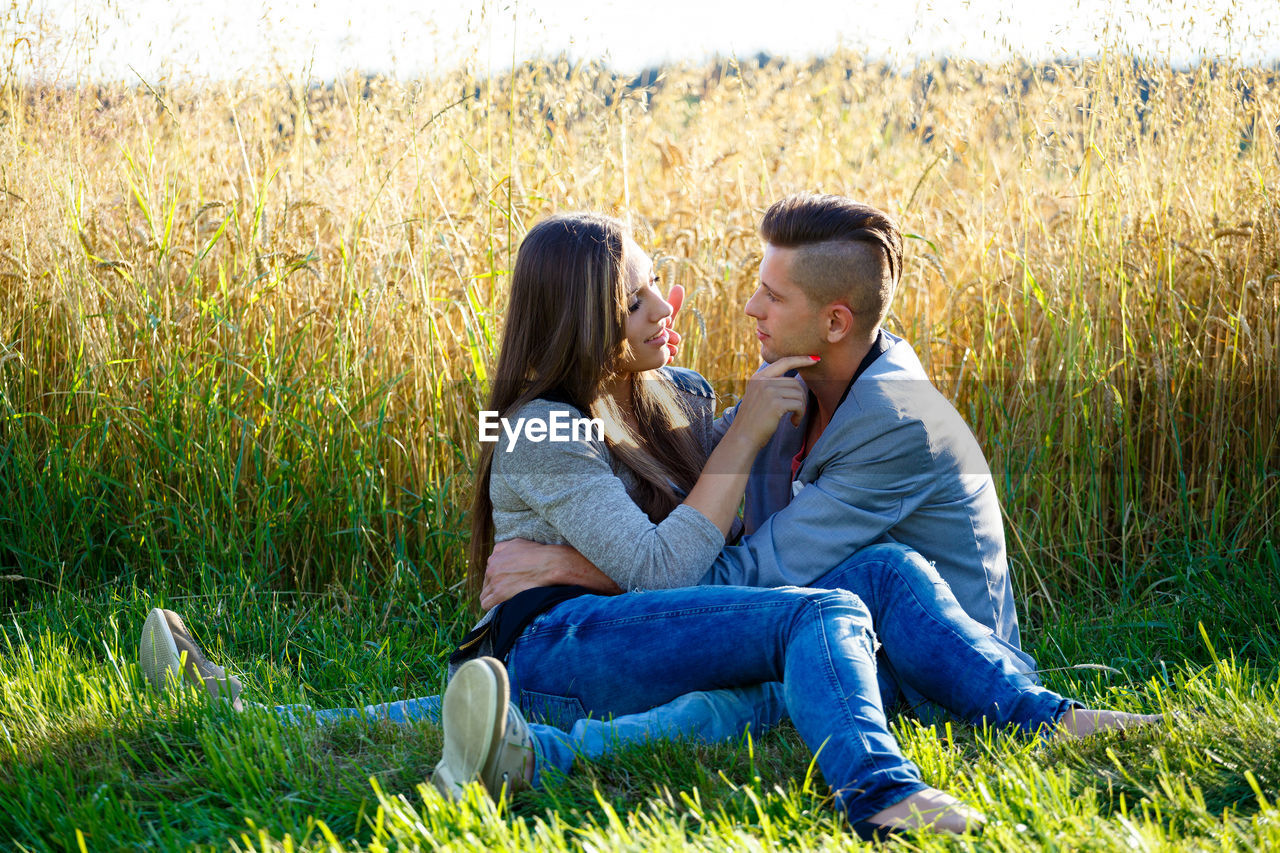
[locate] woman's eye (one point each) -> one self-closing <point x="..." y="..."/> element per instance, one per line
<point x="633" y="307"/>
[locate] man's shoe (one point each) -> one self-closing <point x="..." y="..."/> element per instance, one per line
<point x="485" y="737"/>
<point x="929" y="809"/>
<point x="168" y="651"/>
<point x="1082" y="722"/>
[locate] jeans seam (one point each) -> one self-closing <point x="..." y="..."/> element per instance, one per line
<point x="656" y="616"/>
<point x="867" y="758"/>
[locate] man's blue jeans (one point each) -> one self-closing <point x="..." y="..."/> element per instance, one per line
<point x="622" y="655"/>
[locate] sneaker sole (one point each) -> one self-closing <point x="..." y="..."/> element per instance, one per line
<point x="157" y="653"/>
<point x="488" y="774"/>
<point x="474" y="713"/>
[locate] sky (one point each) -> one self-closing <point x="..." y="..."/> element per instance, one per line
<point x="71" y="41"/>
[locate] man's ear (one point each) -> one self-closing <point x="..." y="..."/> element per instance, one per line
<point x="839" y="321"/>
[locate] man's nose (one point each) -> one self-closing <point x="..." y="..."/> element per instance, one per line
<point x="750" y="307"/>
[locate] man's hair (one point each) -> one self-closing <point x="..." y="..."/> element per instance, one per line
<point x="848" y="252"/>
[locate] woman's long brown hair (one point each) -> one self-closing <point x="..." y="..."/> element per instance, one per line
<point x="564" y="334"/>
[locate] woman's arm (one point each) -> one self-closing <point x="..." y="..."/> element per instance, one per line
<point x="572" y="489"/>
<point x="770" y="394"/>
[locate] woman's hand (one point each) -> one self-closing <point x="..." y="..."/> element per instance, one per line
<point x="675" y="297"/>
<point x="768" y="397"/>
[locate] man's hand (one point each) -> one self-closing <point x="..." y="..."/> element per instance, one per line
<point x="518" y="564"/>
<point x="676" y="297"/>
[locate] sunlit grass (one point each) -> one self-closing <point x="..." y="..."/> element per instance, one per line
<point x="89" y="752"/>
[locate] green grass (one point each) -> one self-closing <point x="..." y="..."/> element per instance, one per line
<point x="89" y="753"/>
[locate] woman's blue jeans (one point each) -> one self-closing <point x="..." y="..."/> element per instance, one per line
<point x="706" y="717"/>
<point x="599" y="656"/>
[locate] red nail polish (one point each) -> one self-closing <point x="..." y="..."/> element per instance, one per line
<point x="815" y="358"/>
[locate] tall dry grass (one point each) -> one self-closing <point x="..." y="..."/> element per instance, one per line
<point x="249" y="327"/>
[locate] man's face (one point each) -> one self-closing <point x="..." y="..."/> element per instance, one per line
<point x="786" y="324"/>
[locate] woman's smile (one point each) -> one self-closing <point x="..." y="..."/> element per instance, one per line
<point x="659" y="340"/>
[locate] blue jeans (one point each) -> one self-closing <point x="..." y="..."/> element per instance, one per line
<point x="708" y="717"/>
<point x="600" y="656"/>
<point x="712" y="716"/>
<point x="915" y="616"/>
<point x="862" y="574"/>
<point x="404" y="712"/>
<point x="624" y="654"/>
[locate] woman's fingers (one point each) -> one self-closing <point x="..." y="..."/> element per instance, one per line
<point x="771" y="394"/>
<point x="782" y="365"/>
<point x="673" y="342"/>
<point x="676" y="297"/>
<point x="791" y="397"/>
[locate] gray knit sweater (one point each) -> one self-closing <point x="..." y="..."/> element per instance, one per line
<point x="577" y="493"/>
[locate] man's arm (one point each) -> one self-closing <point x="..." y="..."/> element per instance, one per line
<point x="518" y="564"/>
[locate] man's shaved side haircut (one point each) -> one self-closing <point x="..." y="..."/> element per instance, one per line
<point x="847" y="252"/>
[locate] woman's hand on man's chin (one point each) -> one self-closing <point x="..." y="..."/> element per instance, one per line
<point x="518" y="564"/>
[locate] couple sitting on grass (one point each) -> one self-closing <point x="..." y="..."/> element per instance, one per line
<point x="872" y="572"/>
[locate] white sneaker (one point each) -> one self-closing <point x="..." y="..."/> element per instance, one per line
<point x="168" y="652"/>
<point x="486" y="738"/>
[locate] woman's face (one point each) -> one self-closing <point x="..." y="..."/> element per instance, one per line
<point x="648" y="314"/>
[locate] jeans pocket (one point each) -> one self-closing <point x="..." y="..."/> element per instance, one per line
<point x="558" y="711"/>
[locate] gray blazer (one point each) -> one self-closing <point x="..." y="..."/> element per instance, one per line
<point x="896" y="464"/>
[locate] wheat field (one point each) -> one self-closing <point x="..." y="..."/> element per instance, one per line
<point x="250" y="325"/>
